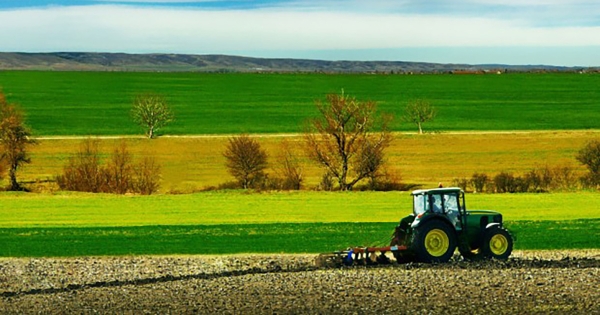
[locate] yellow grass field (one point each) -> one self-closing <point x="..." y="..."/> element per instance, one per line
<point x="195" y="162"/>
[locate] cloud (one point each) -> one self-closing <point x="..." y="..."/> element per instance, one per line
<point x="129" y="28"/>
<point x="276" y="29"/>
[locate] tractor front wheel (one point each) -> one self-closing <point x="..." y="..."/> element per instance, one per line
<point x="497" y="243"/>
<point x="434" y="242"/>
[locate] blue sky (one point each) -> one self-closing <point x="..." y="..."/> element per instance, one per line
<point x="554" y="32"/>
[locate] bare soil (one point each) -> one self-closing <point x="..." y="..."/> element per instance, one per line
<point x="552" y="282"/>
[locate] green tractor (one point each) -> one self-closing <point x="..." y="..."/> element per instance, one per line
<point x="440" y="223"/>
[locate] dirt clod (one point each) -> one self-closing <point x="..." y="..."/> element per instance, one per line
<point x="556" y="282"/>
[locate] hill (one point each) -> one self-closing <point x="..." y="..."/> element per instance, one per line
<point x="83" y="61"/>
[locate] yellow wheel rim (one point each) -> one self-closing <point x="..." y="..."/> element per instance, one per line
<point x="498" y="244"/>
<point x="437" y="242"/>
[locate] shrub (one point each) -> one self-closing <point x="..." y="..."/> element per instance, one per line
<point x="384" y="182"/>
<point x="590" y="157"/>
<point x="478" y="181"/>
<point x="290" y="169"/>
<point x="505" y="183"/>
<point x="540" y="180"/>
<point x="564" y="178"/>
<point x="147" y="176"/>
<point x="534" y="180"/>
<point x="460" y="182"/>
<point x="119" y="171"/>
<point x="326" y="183"/>
<point x="84" y="172"/>
<point x="521" y="184"/>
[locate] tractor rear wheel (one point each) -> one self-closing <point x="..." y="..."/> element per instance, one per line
<point x="497" y="243"/>
<point x="434" y="242"/>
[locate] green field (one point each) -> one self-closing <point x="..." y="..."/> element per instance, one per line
<point x="98" y="103"/>
<point x="20" y="210"/>
<point x="259" y="238"/>
<point x="238" y="222"/>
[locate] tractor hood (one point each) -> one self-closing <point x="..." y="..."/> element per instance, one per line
<point x="483" y="212"/>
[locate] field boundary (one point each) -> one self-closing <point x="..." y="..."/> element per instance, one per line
<point x="292" y="135"/>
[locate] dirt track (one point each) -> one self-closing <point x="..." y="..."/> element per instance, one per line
<point x="531" y="282"/>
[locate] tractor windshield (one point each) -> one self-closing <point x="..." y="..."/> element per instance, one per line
<point x="419" y="203"/>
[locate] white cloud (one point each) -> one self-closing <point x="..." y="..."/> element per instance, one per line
<point x="155" y="29"/>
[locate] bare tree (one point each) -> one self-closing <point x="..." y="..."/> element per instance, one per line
<point x="15" y="140"/>
<point x="151" y="111"/>
<point x="290" y="168"/>
<point x="119" y="170"/>
<point x="370" y="162"/>
<point x="342" y="142"/>
<point x="147" y="176"/>
<point x="246" y="160"/>
<point x="419" y="112"/>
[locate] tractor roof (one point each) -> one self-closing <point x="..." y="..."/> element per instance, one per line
<point x="436" y="191"/>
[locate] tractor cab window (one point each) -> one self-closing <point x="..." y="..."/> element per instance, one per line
<point x="451" y="206"/>
<point x="450" y="202"/>
<point x="419" y="204"/>
<point x="435" y="202"/>
<point x="428" y="203"/>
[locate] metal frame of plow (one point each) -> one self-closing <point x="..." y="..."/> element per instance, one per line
<point x="358" y="256"/>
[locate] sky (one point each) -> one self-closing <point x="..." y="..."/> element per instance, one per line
<point x="517" y="32"/>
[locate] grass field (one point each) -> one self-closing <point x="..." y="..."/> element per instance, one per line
<point x="237" y="222"/>
<point x="190" y="164"/>
<point x="259" y="238"/>
<point x="98" y="103"/>
<point x="238" y="207"/>
<point x="88" y="103"/>
<point x="75" y="224"/>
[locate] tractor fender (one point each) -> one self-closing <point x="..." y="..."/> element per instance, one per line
<point x="436" y="218"/>
<point x="493" y="224"/>
<point x="499" y="225"/>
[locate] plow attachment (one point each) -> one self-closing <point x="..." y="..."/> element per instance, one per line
<point x="358" y="256"/>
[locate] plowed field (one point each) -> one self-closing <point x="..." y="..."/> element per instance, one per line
<point x="558" y="282"/>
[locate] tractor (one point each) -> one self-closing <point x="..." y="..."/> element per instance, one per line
<point x="439" y="224"/>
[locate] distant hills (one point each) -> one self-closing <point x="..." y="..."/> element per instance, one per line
<point x="84" y="61"/>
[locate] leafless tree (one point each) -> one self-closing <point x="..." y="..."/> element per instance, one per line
<point x="370" y="162"/>
<point x="342" y="140"/>
<point x="246" y="160"/>
<point x="419" y="112"/>
<point x="14" y="139"/>
<point x="151" y="111"/>
<point x="147" y="176"/>
<point x="119" y="170"/>
<point x="290" y="168"/>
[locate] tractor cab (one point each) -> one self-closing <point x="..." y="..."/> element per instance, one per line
<point x="447" y="204"/>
